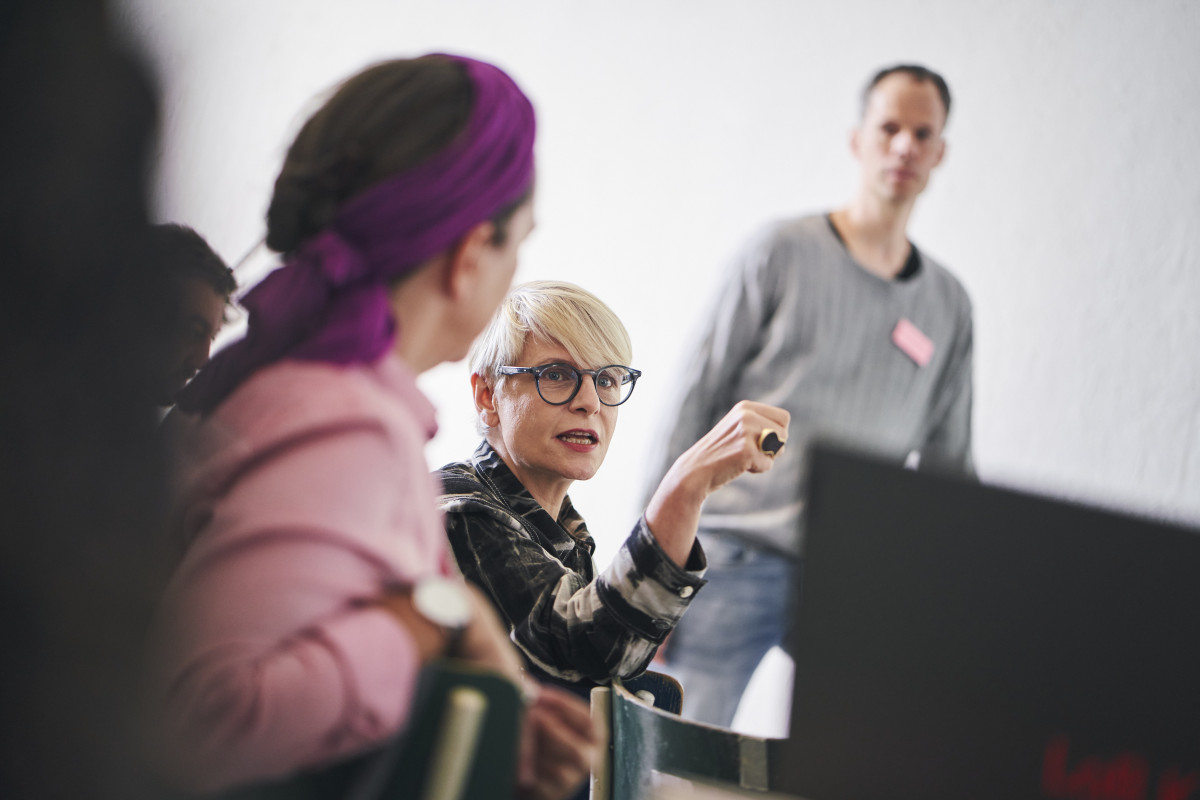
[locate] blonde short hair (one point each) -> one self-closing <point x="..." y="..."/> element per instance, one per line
<point x="557" y="312"/>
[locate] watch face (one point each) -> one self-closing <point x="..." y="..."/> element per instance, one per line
<point x="444" y="601"/>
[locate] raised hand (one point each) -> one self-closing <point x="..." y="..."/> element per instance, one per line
<point x="731" y="448"/>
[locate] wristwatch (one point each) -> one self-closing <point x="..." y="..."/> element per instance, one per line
<point x="444" y="602"/>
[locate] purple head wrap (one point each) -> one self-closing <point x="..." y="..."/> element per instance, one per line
<point x="329" y="301"/>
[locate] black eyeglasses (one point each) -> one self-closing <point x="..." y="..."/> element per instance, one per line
<point x="558" y="384"/>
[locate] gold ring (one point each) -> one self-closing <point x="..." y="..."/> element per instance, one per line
<point x="769" y="442"/>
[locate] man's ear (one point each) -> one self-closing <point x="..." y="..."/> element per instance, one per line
<point x="485" y="400"/>
<point x="941" y="152"/>
<point x="855" y="141"/>
<point x="463" y="260"/>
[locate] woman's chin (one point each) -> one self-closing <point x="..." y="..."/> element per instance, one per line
<point x="581" y="472"/>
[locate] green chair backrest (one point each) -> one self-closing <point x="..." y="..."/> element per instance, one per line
<point x="646" y="740"/>
<point x="460" y="744"/>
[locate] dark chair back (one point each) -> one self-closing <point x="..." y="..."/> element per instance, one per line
<point x="461" y="744"/>
<point x="646" y="742"/>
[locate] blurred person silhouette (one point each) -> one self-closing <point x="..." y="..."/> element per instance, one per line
<point x="292" y="633"/>
<point x="548" y="377"/>
<point x="81" y="489"/>
<point x="840" y="319"/>
<point x="202" y="290"/>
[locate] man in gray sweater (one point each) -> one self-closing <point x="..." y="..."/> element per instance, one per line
<point x="839" y="319"/>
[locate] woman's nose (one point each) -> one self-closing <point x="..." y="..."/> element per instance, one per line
<point x="587" y="398"/>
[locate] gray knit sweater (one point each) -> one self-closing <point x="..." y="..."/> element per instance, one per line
<point x="801" y="325"/>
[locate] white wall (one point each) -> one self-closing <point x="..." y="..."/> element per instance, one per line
<point x="1069" y="201"/>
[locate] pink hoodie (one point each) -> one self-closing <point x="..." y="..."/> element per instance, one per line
<point x="302" y="497"/>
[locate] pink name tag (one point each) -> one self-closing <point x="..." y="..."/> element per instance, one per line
<point x="912" y="342"/>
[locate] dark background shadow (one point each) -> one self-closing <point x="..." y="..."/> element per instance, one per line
<point x="81" y="490"/>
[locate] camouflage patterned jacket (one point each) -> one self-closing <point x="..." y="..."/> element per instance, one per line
<point x="571" y="624"/>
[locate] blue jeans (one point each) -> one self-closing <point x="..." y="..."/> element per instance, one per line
<point x="734" y="620"/>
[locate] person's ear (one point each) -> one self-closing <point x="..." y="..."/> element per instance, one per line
<point x="855" y="141"/>
<point x="941" y="151"/>
<point x="485" y="400"/>
<point x="464" y="261"/>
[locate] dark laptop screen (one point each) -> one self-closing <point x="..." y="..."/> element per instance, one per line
<point x="960" y="641"/>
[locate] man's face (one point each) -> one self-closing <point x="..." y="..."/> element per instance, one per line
<point x="201" y="317"/>
<point x="899" y="141"/>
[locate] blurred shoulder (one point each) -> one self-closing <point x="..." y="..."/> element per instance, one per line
<point x="945" y="284"/>
<point x="788" y="239"/>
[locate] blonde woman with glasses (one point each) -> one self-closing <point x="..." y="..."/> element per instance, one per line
<point x="548" y="377"/>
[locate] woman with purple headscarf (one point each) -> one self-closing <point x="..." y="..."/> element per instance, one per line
<point x="293" y="629"/>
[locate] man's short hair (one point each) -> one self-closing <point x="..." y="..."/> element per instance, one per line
<point x="917" y="73"/>
<point x="182" y="253"/>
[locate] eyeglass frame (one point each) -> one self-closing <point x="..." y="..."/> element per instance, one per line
<point x="537" y="371"/>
